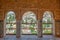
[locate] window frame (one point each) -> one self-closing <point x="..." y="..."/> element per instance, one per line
<point x="10" y="23"/>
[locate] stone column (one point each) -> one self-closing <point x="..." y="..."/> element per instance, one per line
<point x="53" y="27"/>
<point x="39" y="28"/>
<point x="18" y="29"/>
<point x="4" y="27"/>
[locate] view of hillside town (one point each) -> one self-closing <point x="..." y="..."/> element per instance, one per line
<point x="28" y="23"/>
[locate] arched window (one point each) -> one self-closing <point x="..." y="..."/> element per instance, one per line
<point x="29" y="25"/>
<point x="47" y="22"/>
<point x="10" y="23"/>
